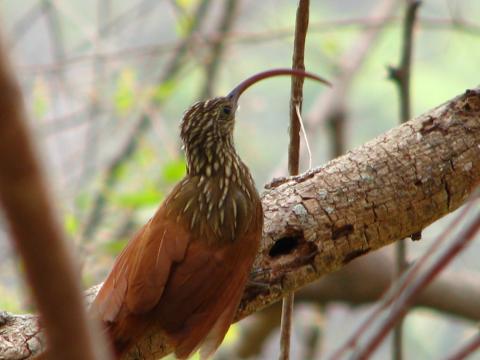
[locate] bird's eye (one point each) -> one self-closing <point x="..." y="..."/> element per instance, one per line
<point x="227" y="110"/>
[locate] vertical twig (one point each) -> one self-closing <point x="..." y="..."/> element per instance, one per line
<point x="401" y="76"/>
<point x="218" y="48"/>
<point x="296" y="98"/>
<point x="301" y="27"/>
<point x="350" y="64"/>
<point x="48" y="264"/>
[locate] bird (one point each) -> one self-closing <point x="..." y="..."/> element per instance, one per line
<point x="185" y="270"/>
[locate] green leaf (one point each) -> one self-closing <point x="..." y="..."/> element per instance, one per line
<point x="174" y="171"/>
<point x="232" y="334"/>
<point x="120" y="171"/>
<point x="183" y="25"/>
<point x="124" y="97"/>
<point x="40" y="98"/>
<point x="147" y="196"/>
<point x="163" y="91"/>
<point x="187" y="4"/>
<point x="8" y="301"/>
<point x="70" y="223"/>
<point x="185" y="22"/>
<point x="115" y="247"/>
<point x="145" y="155"/>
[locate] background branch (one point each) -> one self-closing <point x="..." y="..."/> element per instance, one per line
<point x="48" y="263"/>
<point x="218" y="48"/>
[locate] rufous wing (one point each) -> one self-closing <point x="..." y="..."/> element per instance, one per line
<point x="138" y="278"/>
<point x="204" y="290"/>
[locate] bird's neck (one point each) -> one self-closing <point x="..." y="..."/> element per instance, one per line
<point x="214" y="158"/>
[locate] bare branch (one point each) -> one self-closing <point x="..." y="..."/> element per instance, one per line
<point x="406" y="299"/>
<point x="36" y="233"/>
<point x="467" y="349"/>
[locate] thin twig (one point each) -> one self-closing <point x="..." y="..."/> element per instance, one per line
<point x="393" y="294"/>
<point x="218" y="48"/>
<point x="401" y="76"/>
<point x="467" y="349"/>
<point x="96" y="91"/>
<point x="406" y="299"/>
<point x="132" y="14"/>
<point x="296" y="99"/>
<point x="25" y="23"/>
<point x="38" y="238"/>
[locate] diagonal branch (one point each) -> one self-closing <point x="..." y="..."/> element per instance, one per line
<point x="393" y="186"/>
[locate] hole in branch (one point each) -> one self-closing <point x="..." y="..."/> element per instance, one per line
<point x="285" y="245"/>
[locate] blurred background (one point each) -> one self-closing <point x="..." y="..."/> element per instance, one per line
<point x="106" y="83"/>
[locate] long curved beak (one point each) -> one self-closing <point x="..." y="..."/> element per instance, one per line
<point x="244" y="85"/>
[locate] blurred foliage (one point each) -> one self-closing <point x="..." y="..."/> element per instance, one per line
<point x="173" y="171"/>
<point x="148" y="195"/>
<point x="163" y="91"/>
<point x="125" y="93"/>
<point x="40" y="100"/>
<point x="70" y="224"/>
<point x="8" y="301"/>
<point x="113" y="248"/>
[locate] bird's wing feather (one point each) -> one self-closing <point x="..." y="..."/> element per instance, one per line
<point x="137" y="278"/>
<point x="199" y="302"/>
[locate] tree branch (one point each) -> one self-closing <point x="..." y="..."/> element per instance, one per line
<point x="49" y="265"/>
<point x="393" y="186"/>
<point x="455" y="293"/>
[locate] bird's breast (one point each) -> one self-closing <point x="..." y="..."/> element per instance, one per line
<point x="218" y="209"/>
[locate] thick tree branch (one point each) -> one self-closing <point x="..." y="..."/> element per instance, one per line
<point x="393" y="186"/>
